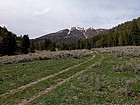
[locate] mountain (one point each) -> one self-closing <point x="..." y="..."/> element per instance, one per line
<point x="125" y="34"/>
<point x="72" y="34"/>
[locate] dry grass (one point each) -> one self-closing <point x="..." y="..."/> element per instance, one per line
<point x="131" y="66"/>
<point x="44" y="55"/>
<point x="123" y="51"/>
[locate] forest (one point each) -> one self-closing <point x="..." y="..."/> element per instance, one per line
<point x="125" y="34"/>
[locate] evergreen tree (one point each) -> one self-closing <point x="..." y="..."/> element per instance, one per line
<point x="103" y="41"/>
<point x="135" y="33"/>
<point x="93" y="41"/>
<point x="48" y="44"/>
<point x="115" y="39"/>
<point x="53" y="47"/>
<point x="8" y="44"/>
<point x="25" y="44"/>
<point x="64" y="46"/>
<point x="42" y="45"/>
<point x="110" y="39"/>
<point x="78" y="44"/>
<point x="125" y="38"/>
<point x="82" y="45"/>
<point x="88" y="44"/>
<point x="120" y="40"/>
<point x="32" y="46"/>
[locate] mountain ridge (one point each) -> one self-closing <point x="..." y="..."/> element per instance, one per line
<point x="72" y="34"/>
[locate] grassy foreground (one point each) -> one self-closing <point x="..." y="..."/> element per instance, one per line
<point x="107" y="82"/>
<point x="100" y="85"/>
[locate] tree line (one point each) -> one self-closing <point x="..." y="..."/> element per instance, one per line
<point x="10" y="44"/>
<point x="124" y="34"/>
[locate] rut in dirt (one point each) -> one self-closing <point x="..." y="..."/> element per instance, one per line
<point x="48" y="90"/>
<point x="13" y="91"/>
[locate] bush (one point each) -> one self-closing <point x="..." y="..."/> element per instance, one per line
<point x="45" y="55"/>
<point x="124" y="51"/>
<point x="132" y="66"/>
<point x="128" y="91"/>
<point x="98" y="65"/>
<point x="99" y="83"/>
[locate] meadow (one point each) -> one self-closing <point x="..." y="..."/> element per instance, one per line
<point x="84" y="77"/>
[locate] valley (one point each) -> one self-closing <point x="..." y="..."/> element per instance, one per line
<point x="70" y="52"/>
<point x="100" y="77"/>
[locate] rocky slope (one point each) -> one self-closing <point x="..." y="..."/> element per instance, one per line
<point x="72" y="34"/>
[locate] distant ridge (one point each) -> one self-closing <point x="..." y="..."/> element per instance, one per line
<point x="72" y="34"/>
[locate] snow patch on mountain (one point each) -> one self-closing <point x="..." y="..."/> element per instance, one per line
<point x="69" y="32"/>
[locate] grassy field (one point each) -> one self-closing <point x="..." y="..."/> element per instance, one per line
<point x="101" y="78"/>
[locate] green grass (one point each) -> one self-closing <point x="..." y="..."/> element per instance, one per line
<point x="30" y="91"/>
<point x="99" y="85"/>
<point x="16" y="75"/>
<point x="83" y="89"/>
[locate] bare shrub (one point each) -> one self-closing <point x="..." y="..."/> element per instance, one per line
<point x="87" y="79"/>
<point x="129" y="66"/>
<point x="98" y="83"/>
<point x="121" y="51"/>
<point x="128" y="91"/>
<point x="45" y="55"/>
<point x="98" y="65"/>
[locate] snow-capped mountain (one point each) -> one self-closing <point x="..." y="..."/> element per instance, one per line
<point x="72" y="34"/>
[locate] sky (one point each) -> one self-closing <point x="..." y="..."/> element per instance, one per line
<point x="39" y="17"/>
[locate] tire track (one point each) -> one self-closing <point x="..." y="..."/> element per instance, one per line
<point x="13" y="91"/>
<point x="48" y="90"/>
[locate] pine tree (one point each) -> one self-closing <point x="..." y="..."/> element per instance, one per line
<point x="8" y="44"/>
<point x="53" y="47"/>
<point x="32" y="46"/>
<point x="88" y="44"/>
<point x="48" y="44"/>
<point x="135" y="33"/>
<point x="110" y="39"/>
<point x="125" y="38"/>
<point x="78" y="44"/>
<point x="25" y="44"/>
<point x="120" y="43"/>
<point x="103" y="41"/>
<point x="115" y="39"/>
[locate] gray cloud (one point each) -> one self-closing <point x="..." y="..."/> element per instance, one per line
<point x="38" y="17"/>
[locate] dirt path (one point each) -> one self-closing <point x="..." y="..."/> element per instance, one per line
<point x="13" y="91"/>
<point x="48" y="90"/>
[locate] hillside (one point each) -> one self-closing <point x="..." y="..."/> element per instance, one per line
<point x="125" y="34"/>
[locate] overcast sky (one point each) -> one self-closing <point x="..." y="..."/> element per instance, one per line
<point x="38" y="17"/>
